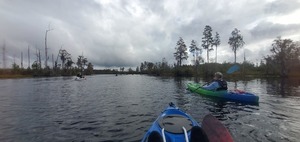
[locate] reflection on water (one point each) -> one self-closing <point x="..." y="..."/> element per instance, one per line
<point x="122" y="108"/>
<point x="283" y="87"/>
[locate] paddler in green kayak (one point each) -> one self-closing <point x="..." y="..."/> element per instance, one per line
<point x="217" y="84"/>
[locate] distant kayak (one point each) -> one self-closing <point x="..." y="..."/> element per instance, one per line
<point x="80" y="78"/>
<point x="174" y="125"/>
<point x="234" y="95"/>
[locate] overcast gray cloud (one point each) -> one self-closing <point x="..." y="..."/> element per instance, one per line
<point x="125" y="33"/>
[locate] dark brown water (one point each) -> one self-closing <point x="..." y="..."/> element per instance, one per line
<point x="122" y="108"/>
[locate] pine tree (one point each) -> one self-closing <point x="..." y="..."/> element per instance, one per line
<point x="207" y="40"/>
<point x="216" y="42"/>
<point x="181" y="51"/>
<point x="236" y="41"/>
<point x="195" y="50"/>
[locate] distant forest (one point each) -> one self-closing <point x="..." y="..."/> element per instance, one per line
<point x="65" y="68"/>
<point x="284" y="61"/>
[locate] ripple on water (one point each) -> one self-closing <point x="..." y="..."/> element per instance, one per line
<point x="122" y="108"/>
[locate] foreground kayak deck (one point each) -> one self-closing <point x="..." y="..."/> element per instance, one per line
<point x="173" y="125"/>
<point x="239" y="96"/>
<point x="165" y="125"/>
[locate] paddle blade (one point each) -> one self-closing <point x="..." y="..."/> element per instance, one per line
<point x="233" y="69"/>
<point x="215" y="130"/>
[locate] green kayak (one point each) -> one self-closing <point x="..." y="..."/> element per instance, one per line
<point x="236" y="95"/>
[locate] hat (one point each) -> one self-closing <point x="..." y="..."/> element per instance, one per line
<point x="218" y="75"/>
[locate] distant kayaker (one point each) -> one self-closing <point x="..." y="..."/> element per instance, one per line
<point x="217" y="84"/>
<point x="79" y="75"/>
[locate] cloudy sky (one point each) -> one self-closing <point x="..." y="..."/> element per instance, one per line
<point x="123" y="33"/>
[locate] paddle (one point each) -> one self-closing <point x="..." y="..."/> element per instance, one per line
<point x="215" y="130"/>
<point x="232" y="69"/>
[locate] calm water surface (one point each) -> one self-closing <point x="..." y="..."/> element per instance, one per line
<point x="122" y="108"/>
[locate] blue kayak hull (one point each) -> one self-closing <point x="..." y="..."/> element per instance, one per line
<point x="173" y="134"/>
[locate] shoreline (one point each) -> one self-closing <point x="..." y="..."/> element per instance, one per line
<point x="237" y="76"/>
<point x="14" y="76"/>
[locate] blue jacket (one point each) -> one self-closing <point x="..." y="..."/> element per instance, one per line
<point x="216" y="85"/>
<point x="212" y="86"/>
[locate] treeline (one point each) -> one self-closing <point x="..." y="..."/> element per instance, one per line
<point x="67" y="67"/>
<point x="246" y="69"/>
<point x="284" y="60"/>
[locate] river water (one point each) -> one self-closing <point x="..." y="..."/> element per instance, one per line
<point x="121" y="108"/>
